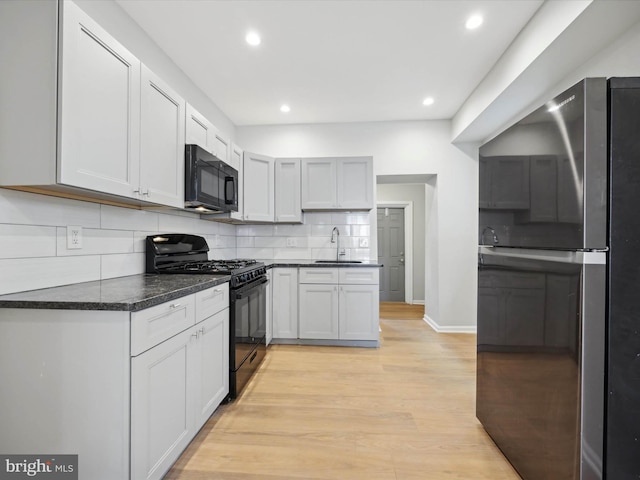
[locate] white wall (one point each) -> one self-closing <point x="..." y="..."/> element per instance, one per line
<point x="415" y="194"/>
<point x="400" y="148"/>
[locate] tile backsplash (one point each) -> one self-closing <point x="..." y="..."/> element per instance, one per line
<point x="34" y="253"/>
<point x="308" y="241"/>
<point x="33" y="239"/>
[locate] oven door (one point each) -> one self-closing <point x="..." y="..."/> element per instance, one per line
<point x="249" y="315"/>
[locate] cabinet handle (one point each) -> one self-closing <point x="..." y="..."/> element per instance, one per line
<point x="175" y="305"/>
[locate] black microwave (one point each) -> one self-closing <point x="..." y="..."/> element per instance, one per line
<point x="210" y="185"/>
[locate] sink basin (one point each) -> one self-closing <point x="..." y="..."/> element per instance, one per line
<point x="338" y="261"/>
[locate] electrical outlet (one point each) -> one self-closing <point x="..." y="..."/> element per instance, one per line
<point x="291" y="242"/>
<point x="74" y="237"/>
<point x="364" y="242"/>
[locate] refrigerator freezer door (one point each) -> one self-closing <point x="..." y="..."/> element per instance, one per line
<point x="540" y="330"/>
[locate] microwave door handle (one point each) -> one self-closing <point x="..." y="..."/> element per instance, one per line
<point x="229" y="190"/>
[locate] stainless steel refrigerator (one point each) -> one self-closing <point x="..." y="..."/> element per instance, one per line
<point x="558" y="356"/>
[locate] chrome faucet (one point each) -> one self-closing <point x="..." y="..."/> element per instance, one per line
<point x="493" y="234"/>
<point x="335" y="238"/>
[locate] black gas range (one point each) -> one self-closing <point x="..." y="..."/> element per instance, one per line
<point x="184" y="254"/>
<point x="176" y="253"/>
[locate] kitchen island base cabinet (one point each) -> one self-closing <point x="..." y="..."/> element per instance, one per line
<point x="88" y="382"/>
<point x="65" y="379"/>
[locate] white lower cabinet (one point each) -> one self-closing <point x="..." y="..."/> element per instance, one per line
<point x="339" y="303"/>
<point x="161" y="418"/>
<point x="285" y="303"/>
<point x="177" y="385"/>
<point x="359" y="312"/>
<point x="318" y="311"/>
<point x="126" y="391"/>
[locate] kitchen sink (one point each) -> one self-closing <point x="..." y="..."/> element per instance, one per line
<point x="338" y="261"/>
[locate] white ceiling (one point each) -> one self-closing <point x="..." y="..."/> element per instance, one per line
<point x="333" y="60"/>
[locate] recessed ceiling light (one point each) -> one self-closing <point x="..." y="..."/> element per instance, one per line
<point x="428" y="101"/>
<point x="253" y="38"/>
<point x="285" y="109"/>
<point x="473" y="22"/>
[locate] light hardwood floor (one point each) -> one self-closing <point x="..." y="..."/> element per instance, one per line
<point x="403" y="411"/>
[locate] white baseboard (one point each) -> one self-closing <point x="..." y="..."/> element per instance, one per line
<point x="418" y="302"/>
<point x="449" y="328"/>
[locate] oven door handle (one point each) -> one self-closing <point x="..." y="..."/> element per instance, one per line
<point x="246" y="289"/>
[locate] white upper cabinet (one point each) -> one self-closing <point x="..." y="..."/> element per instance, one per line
<point x="355" y="183"/>
<point x="235" y="160"/>
<point x="337" y="183"/>
<point x="200" y="131"/>
<point x="222" y="147"/>
<point x="162" y="142"/>
<point x="287" y="191"/>
<point x="100" y="109"/>
<point x="106" y="127"/>
<point x="259" y="187"/>
<point x="319" y="189"/>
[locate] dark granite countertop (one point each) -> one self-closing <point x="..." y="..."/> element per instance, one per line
<point x="132" y="293"/>
<point x="313" y="263"/>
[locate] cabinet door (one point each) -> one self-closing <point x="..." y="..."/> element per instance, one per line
<point x="100" y="109"/>
<point x="235" y="160"/>
<point x="221" y="147"/>
<point x="318" y="311"/>
<point x="161" y="405"/>
<point x="355" y="183"/>
<point x="162" y="142"/>
<point x="259" y="188"/>
<point x="199" y="130"/>
<point x="318" y="188"/>
<point x="287" y="190"/>
<point x="285" y="302"/>
<point x="359" y="312"/>
<point x="211" y="366"/>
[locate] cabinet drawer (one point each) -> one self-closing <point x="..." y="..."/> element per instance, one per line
<point x="359" y="276"/>
<point x="319" y="275"/>
<point x="211" y="301"/>
<point x="154" y="325"/>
